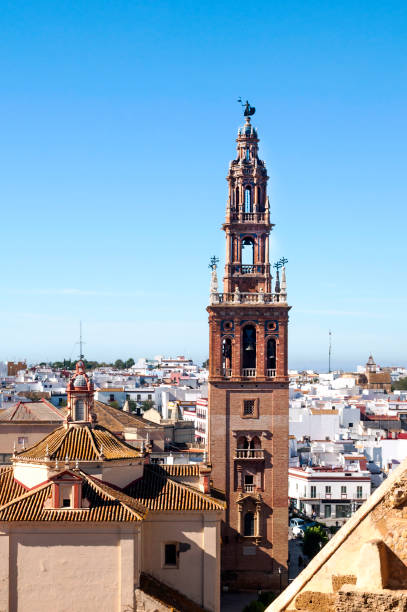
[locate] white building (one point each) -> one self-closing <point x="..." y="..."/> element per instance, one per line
<point x="331" y="494"/>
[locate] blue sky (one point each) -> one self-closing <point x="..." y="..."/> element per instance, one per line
<point x="119" y="120"/>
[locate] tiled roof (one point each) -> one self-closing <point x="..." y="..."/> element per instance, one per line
<point x="83" y="443"/>
<point x="117" y="420"/>
<point x="182" y="470"/>
<point x="158" y="492"/>
<point x="106" y="504"/>
<point x="33" y="411"/>
<point x="9" y="488"/>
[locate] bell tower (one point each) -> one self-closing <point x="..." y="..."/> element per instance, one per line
<point x="248" y="381"/>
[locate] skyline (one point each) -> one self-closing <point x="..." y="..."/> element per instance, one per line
<point x="119" y="123"/>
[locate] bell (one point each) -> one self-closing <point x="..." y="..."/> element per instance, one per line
<point x="249" y="347"/>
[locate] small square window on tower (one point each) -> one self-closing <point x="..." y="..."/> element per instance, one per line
<point x="250" y="408"/>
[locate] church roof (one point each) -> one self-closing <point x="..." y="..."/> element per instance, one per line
<point x="158" y="492"/>
<point x="82" y="443"/>
<point x="106" y="503"/>
<point x="33" y="411"/>
<point x="155" y="492"/>
<point x="117" y="420"/>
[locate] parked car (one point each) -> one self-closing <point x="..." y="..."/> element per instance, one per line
<point x="296" y="522"/>
<point x="299" y="530"/>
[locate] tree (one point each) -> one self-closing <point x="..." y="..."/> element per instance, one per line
<point x="129" y="363"/>
<point x="314" y="539"/>
<point x="119" y="364"/>
<point x="206" y="364"/>
<point x="400" y="384"/>
<point x="147" y="404"/>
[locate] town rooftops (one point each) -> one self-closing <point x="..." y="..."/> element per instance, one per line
<point x="41" y="411"/>
<point x="117" y="420"/>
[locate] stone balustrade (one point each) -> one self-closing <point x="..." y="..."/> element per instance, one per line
<point x="248" y="298"/>
<point x="249" y="453"/>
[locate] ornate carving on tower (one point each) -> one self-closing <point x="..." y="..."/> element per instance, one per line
<point x="80" y="393"/>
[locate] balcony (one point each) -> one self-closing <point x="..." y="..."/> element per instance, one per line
<point x="249" y="372"/>
<point x="248" y="298"/>
<point x="255" y="217"/>
<point x="227" y="372"/>
<point x="249" y="269"/>
<point x="249" y="453"/>
<point x="271" y="373"/>
<point x="249" y="488"/>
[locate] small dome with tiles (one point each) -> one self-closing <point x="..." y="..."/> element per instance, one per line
<point x="80" y="381"/>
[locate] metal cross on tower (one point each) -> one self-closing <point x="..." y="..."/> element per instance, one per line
<point x="213" y="262"/>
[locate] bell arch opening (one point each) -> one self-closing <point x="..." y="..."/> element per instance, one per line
<point x="249" y="347"/>
<point x="248" y="204"/>
<point x="247" y="251"/>
<point x="227" y="356"/>
<point x="271" y="355"/>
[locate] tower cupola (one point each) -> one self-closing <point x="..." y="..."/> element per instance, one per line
<point x="80" y="392"/>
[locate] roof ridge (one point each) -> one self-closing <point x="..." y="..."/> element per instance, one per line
<point x="107" y="490"/>
<point x="15" y="409"/>
<point x="26" y="494"/>
<point x="93" y="441"/>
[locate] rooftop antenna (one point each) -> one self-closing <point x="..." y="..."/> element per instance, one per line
<point x="329" y="351"/>
<point x="81" y="342"/>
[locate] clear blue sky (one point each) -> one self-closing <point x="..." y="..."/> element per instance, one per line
<point x="118" y="122"/>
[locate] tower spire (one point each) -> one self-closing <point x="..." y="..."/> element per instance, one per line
<point x="248" y="379"/>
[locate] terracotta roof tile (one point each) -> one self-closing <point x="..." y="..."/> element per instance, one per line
<point x="182" y="470"/>
<point x="106" y="504"/>
<point x="82" y="443"/>
<point x="158" y="492"/>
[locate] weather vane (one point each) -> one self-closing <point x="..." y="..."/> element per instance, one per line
<point x="248" y="109"/>
<point x="280" y="263"/>
<point x="213" y="262"/>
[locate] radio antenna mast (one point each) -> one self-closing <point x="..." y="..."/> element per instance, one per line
<point x="329" y="351"/>
<point x="81" y="342"/>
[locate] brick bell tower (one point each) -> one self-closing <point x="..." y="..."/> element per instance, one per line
<point x="248" y="382"/>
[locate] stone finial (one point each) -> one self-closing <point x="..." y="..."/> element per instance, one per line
<point x="283" y="282"/>
<point x="261" y="296"/>
<point x="237" y="296"/>
<point x="126" y="407"/>
<point x="214" y="286"/>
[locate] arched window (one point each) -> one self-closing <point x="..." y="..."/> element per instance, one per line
<point x="247" y="154"/>
<point x="227" y="356"/>
<point x="247" y="252"/>
<point x="242" y="442"/>
<point x="237" y="196"/>
<point x="259" y="197"/>
<point x="79" y="410"/>
<point x="249" y="524"/>
<point x="271" y="354"/>
<point x="248" y="200"/>
<point x="255" y="442"/>
<point x="249" y="347"/>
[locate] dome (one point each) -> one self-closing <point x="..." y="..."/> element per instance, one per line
<point x="80" y="381"/>
<point x="247" y="130"/>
